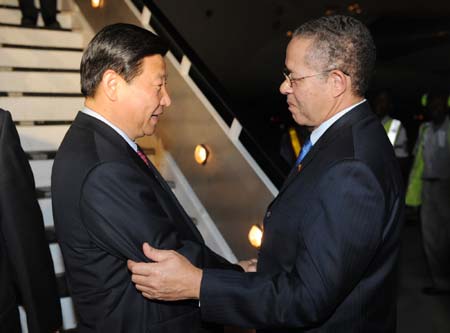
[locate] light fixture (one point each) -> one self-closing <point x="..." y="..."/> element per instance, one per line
<point x="97" y="3"/>
<point x="255" y="236"/>
<point x="201" y="154"/>
<point x="355" y="8"/>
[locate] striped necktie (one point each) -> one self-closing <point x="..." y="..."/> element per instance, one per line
<point x="142" y="156"/>
<point x="305" y="149"/>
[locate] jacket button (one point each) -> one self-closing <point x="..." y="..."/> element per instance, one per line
<point x="268" y="214"/>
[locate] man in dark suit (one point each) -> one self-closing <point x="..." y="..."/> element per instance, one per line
<point x="27" y="276"/>
<point x="108" y="198"/>
<point x="331" y="236"/>
<point x="30" y="13"/>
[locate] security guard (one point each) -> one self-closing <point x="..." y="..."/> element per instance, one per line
<point x="429" y="186"/>
<point x="394" y="128"/>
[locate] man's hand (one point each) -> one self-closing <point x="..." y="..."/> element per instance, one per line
<point x="248" y="265"/>
<point x="170" y="277"/>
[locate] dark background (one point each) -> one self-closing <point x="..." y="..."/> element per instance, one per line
<point x="243" y="44"/>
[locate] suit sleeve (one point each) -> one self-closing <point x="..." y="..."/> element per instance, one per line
<point x="22" y="229"/>
<point x="337" y="240"/>
<point x="121" y="212"/>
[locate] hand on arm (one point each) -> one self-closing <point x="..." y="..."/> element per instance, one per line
<point x="248" y="265"/>
<point x="169" y="277"/>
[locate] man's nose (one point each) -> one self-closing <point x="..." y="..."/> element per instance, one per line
<point x="285" y="89"/>
<point x="165" y="100"/>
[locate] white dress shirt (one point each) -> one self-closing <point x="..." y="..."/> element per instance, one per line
<point x="319" y="131"/>
<point x="94" y="114"/>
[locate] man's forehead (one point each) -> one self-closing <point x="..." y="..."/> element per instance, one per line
<point x="299" y="44"/>
<point x="155" y="64"/>
<point x="297" y="51"/>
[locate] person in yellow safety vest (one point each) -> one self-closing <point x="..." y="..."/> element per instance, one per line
<point x="429" y="187"/>
<point x="395" y="131"/>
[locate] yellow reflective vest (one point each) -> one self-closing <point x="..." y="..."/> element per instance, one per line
<point x="414" y="189"/>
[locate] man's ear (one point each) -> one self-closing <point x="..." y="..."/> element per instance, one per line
<point x="110" y="83"/>
<point x="339" y="83"/>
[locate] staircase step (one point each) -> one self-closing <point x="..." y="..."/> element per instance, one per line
<point x="36" y="27"/>
<point x="47" y="48"/>
<point x="41" y="138"/>
<point x="32" y="58"/>
<point x="42" y="108"/>
<point x="149" y="151"/>
<point x="60" y="4"/>
<point x="68" y="314"/>
<point x="61" y="284"/>
<point x="41" y="155"/>
<point x="40" y="82"/>
<point x="46" y="209"/>
<point x="42" y="171"/>
<point x="12" y="15"/>
<point x="50" y="235"/>
<point x="57" y="258"/>
<point x="72" y="330"/>
<point x="40" y="37"/>
<point x="38" y="69"/>
<point x="43" y="193"/>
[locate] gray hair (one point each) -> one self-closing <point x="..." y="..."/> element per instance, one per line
<point x="341" y="42"/>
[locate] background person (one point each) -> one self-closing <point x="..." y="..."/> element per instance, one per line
<point x="429" y="186"/>
<point x="30" y="13"/>
<point x="27" y="276"/>
<point x="396" y="132"/>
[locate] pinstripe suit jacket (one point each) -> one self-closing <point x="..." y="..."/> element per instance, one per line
<point x="331" y="240"/>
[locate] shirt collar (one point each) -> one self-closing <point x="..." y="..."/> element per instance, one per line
<point x="319" y="131"/>
<point x="98" y="116"/>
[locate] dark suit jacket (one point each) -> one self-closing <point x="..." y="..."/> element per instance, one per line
<point x="106" y="203"/>
<point x="331" y="241"/>
<point x="26" y="269"/>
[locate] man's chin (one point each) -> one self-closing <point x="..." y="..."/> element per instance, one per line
<point x="149" y="132"/>
<point x="303" y="122"/>
<point x="299" y="120"/>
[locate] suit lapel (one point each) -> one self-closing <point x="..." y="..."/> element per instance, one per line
<point x="163" y="192"/>
<point x="353" y="116"/>
<point x="172" y="198"/>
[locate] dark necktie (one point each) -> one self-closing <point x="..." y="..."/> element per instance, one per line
<point x="169" y="193"/>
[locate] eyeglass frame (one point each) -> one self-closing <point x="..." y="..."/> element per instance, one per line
<point x="287" y="75"/>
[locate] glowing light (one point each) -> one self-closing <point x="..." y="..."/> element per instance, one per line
<point x="201" y="154"/>
<point x="355" y="8"/>
<point x="424" y="100"/>
<point x="255" y="236"/>
<point x="97" y="3"/>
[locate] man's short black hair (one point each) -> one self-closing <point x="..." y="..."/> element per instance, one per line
<point x="120" y="47"/>
<point x="344" y="43"/>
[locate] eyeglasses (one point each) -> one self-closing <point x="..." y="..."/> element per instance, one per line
<point x="291" y="80"/>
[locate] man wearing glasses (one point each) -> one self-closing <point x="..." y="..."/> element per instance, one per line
<point x="331" y="236"/>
